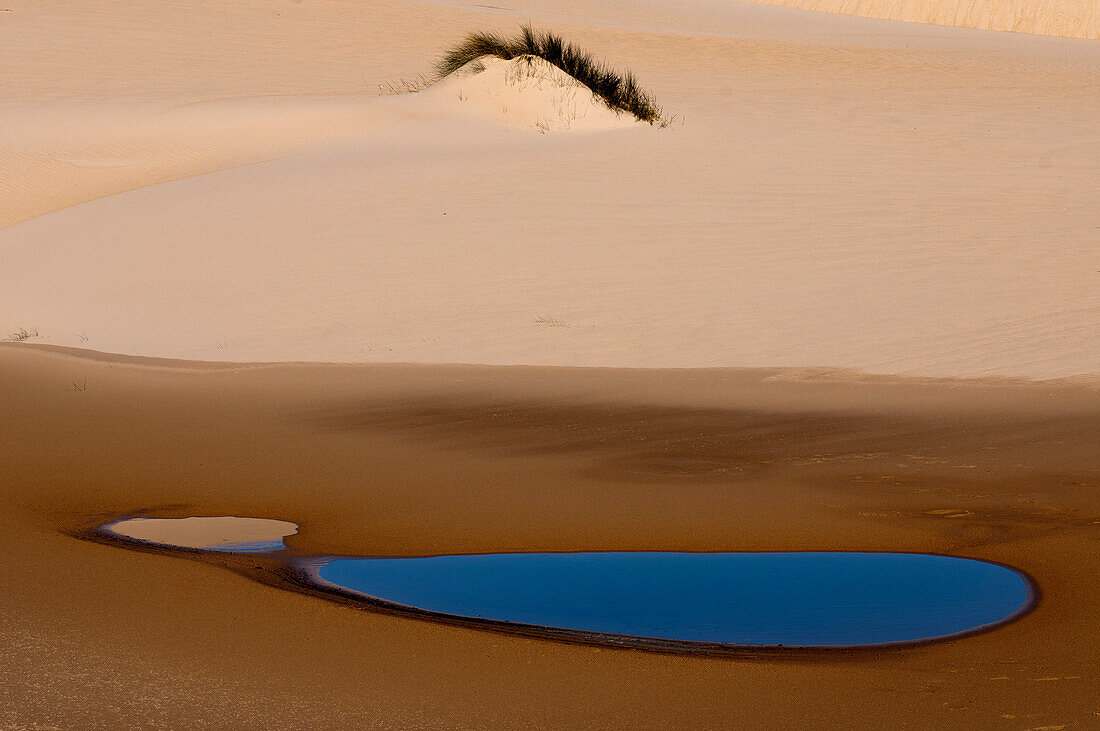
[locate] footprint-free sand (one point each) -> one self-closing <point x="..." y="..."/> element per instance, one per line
<point x="228" y="185"/>
<point x="847" y="300"/>
<point x="396" y="460"/>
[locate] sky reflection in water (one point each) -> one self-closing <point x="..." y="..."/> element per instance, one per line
<point x="742" y="598"/>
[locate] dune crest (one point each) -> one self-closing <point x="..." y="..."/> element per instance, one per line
<point x="527" y="92"/>
<point x="1069" y="18"/>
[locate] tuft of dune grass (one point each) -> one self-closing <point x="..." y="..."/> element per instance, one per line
<point x="620" y="91"/>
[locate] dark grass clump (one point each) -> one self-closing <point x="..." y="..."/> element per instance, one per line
<point x="619" y="90"/>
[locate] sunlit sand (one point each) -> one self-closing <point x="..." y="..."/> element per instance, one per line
<point x="257" y="260"/>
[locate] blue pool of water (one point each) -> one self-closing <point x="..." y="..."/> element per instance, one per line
<point x="806" y="599"/>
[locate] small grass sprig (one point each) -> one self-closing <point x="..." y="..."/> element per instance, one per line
<point x="620" y="91"/>
<point x="23" y="334"/>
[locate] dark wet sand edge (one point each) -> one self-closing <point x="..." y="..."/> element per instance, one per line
<point x="301" y="574"/>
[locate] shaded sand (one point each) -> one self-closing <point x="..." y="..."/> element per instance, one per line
<point x="216" y="533"/>
<point x="843" y="192"/>
<point x="413" y="460"/>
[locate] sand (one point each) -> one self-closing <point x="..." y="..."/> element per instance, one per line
<point x="847" y="300"/>
<point x="1072" y="19"/>
<point x="525" y="93"/>
<point x="931" y="190"/>
<point x="414" y="460"/>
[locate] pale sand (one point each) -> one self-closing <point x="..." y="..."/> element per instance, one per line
<point x="203" y="531"/>
<point x="843" y="192"/>
<point x="525" y="94"/>
<point x="1075" y="18"/>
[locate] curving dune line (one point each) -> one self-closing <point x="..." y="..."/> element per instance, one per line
<point x="1069" y="18"/>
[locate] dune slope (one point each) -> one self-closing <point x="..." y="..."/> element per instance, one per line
<point x="1070" y="18"/>
<point x="938" y="220"/>
<point x="225" y="181"/>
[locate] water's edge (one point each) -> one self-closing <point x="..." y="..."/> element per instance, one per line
<point x="292" y="572"/>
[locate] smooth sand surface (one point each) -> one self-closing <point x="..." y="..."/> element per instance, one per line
<point x="413" y="460"/>
<point x="842" y="192"/>
<point x="838" y="196"/>
<point x="214" y="531"/>
<point x="1072" y="18"/>
<point x="526" y="93"/>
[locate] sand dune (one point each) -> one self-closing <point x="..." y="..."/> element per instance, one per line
<point x="1069" y="18"/>
<point x="846" y="196"/>
<point x="526" y="93"/>
<point x="937" y="219"/>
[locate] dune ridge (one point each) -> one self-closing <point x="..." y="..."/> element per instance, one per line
<point x="525" y="92"/>
<point x="930" y="189"/>
<point x="1067" y="18"/>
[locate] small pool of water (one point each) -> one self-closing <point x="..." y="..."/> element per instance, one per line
<point x="763" y="599"/>
<point x="213" y="533"/>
